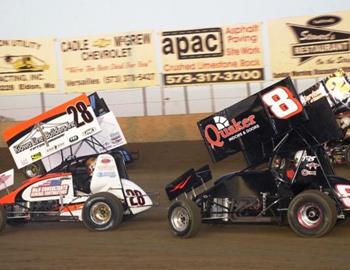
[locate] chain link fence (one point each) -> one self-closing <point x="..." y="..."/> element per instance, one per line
<point x="143" y="101"/>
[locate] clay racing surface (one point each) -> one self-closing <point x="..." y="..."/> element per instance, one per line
<point x="145" y="242"/>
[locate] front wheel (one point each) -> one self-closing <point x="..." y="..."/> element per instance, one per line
<point x="184" y="218"/>
<point x="102" y="211"/>
<point x="312" y="214"/>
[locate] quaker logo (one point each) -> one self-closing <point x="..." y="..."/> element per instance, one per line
<point x="221" y="122"/>
<point x="195" y="43"/>
<point x="215" y="134"/>
<point x="73" y="138"/>
<point x="315" y="40"/>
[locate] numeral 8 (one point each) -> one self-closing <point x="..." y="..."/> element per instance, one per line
<point x="282" y="103"/>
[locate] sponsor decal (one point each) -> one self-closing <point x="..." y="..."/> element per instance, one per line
<point x="24" y="162"/>
<point x="52" y="187"/>
<point x="73" y="138"/>
<point x="106" y="174"/>
<point x="55" y="147"/>
<point x="105" y="160"/>
<point x="181" y="185"/>
<point x="312" y="165"/>
<point x="105" y="167"/>
<point x="89" y="131"/>
<point x="305" y="172"/>
<point x="116" y="137"/>
<point x="45" y="134"/>
<point x="308" y="158"/>
<point x="222" y="129"/>
<point x="6" y="179"/>
<point x="36" y="156"/>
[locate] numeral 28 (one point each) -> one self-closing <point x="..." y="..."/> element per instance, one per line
<point x="80" y="109"/>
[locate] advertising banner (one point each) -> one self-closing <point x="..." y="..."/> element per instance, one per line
<point x="313" y="46"/>
<point x="123" y="60"/>
<point x="27" y="66"/>
<point x="49" y="132"/>
<point x="212" y="55"/>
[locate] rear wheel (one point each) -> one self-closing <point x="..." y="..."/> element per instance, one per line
<point x="102" y="211"/>
<point x="312" y="214"/>
<point x="3" y="218"/>
<point x="184" y="218"/>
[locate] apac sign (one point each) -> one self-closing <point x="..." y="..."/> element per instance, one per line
<point x="196" y="43"/>
<point x="212" y="55"/>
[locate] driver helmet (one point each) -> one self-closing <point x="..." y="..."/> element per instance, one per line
<point x="298" y="156"/>
<point x="90" y="165"/>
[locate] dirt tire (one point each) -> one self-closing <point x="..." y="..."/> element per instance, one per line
<point x="33" y="170"/>
<point x="3" y="218"/>
<point x="102" y="211"/>
<point x="312" y="214"/>
<point x="184" y="218"/>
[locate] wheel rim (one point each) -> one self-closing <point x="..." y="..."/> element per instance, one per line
<point x="100" y="213"/>
<point x="180" y="219"/>
<point x="32" y="170"/>
<point x="310" y="216"/>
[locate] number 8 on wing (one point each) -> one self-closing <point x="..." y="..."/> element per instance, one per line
<point x="282" y="103"/>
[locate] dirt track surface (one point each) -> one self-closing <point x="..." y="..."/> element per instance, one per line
<point x="145" y="242"/>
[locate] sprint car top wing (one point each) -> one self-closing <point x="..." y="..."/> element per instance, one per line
<point x="336" y="88"/>
<point x="51" y="131"/>
<point x="255" y="125"/>
<point x="110" y="137"/>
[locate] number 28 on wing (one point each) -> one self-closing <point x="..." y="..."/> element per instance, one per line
<point x="282" y="103"/>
